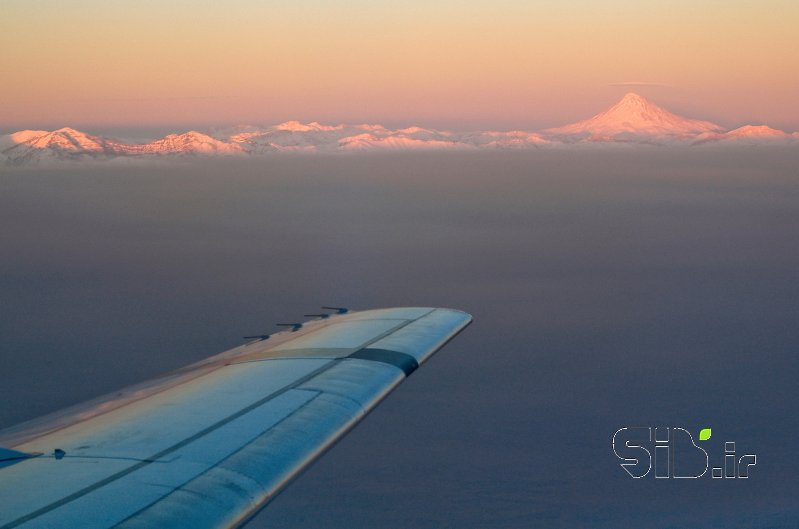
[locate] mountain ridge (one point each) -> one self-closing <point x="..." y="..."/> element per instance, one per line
<point x="632" y="120"/>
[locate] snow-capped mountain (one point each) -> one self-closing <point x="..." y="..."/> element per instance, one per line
<point x="749" y="134"/>
<point x="632" y="120"/>
<point x="296" y="126"/>
<point x="36" y="145"/>
<point x="293" y="136"/>
<point x="191" y="142"/>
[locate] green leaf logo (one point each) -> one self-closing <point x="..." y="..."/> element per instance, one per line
<point x="704" y="434"/>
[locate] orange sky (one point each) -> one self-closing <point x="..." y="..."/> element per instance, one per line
<point x="480" y="64"/>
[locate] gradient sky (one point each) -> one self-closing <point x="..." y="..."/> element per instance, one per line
<point x="460" y="64"/>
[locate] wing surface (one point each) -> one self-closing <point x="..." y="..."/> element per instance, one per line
<point x="208" y="445"/>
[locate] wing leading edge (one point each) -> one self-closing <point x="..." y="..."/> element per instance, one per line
<point x="209" y="445"/>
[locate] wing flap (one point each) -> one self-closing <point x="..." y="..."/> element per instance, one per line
<point x="212" y="450"/>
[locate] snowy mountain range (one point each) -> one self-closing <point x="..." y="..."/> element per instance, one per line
<point x="633" y="120"/>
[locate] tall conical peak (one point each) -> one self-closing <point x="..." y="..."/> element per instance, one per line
<point x="634" y="114"/>
<point x="633" y="103"/>
<point x="632" y="97"/>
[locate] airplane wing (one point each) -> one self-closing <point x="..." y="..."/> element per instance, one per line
<point x="210" y="444"/>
